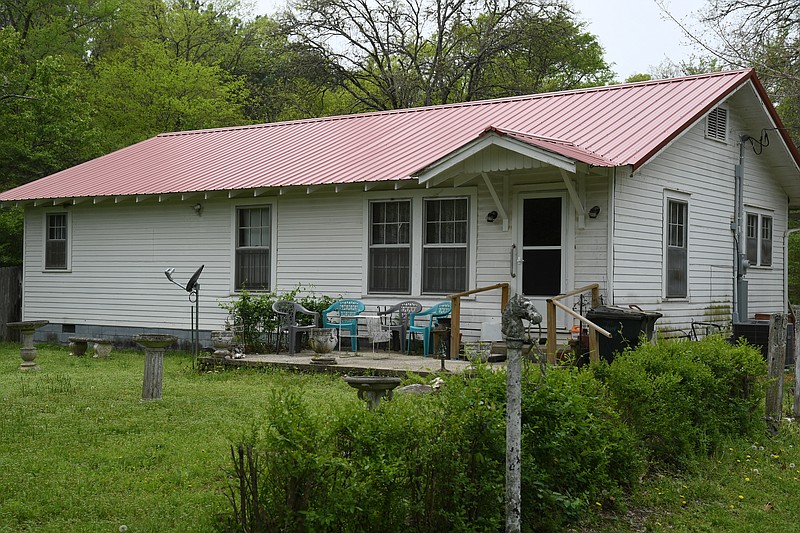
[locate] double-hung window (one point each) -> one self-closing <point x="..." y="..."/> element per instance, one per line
<point x="677" y="266"/>
<point x="253" y="247"/>
<point x="390" y="246"/>
<point x="56" y="243"/>
<point x="444" y="247"/>
<point x="758" y="239"/>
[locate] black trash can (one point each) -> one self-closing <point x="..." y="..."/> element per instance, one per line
<point x="756" y="333"/>
<point x="625" y="325"/>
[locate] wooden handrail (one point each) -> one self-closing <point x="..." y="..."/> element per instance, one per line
<point x="455" y="313"/>
<point x="554" y="303"/>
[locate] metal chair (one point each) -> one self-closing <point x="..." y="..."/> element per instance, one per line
<point x="345" y="308"/>
<point x="439" y="310"/>
<point x="287" y="312"/>
<point x="403" y="310"/>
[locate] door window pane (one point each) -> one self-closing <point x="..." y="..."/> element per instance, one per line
<point x="542" y="268"/>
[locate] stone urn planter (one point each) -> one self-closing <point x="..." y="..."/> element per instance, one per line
<point x="222" y="340"/>
<point x="323" y="341"/>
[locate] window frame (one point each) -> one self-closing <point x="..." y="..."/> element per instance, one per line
<point x="67" y="241"/>
<point x="431" y="246"/>
<point x="756" y="254"/>
<point x="271" y="248"/>
<point x="670" y="198"/>
<point x="417" y="197"/>
<point x="372" y="246"/>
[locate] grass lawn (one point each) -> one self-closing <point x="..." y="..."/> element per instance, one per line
<point x="747" y="487"/>
<point x="80" y="451"/>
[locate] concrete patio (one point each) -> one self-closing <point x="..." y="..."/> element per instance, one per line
<point x="383" y="363"/>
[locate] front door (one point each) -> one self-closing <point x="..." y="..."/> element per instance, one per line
<point x="542" y="256"/>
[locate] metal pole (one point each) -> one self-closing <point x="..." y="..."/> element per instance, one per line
<point x="196" y="347"/>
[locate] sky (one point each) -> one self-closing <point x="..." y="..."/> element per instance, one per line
<point x="634" y="33"/>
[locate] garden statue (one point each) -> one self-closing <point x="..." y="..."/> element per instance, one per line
<point x="518" y="308"/>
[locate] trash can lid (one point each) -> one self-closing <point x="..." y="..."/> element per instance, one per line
<point x="612" y="311"/>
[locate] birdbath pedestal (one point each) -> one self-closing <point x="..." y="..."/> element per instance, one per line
<point x="373" y="388"/>
<point x="28" y="350"/>
<point x="154" y="346"/>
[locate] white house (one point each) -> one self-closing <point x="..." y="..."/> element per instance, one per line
<point x="631" y="186"/>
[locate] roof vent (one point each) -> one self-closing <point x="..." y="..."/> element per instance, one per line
<point x="717" y="124"/>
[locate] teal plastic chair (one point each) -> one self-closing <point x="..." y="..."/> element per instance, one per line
<point x="345" y="308"/>
<point x="427" y="323"/>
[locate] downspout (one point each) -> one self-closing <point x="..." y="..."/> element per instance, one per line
<point x="611" y="232"/>
<point x="739" y="256"/>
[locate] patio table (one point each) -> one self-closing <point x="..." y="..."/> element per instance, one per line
<point x="373" y="325"/>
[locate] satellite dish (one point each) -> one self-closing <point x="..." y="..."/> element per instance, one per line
<point x="193" y="280"/>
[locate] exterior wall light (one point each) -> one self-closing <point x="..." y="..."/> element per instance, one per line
<point x="198" y="208"/>
<point x="492" y="216"/>
<point x="594" y="211"/>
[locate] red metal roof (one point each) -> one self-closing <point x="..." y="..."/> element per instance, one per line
<point x="603" y="126"/>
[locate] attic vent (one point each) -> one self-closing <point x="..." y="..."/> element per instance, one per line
<point x="717" y="124"/>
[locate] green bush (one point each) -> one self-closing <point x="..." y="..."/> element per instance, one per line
<point x="686" y="398"/>
<point x="577" y="451"/>
<point x="252" y="313"/>
<point x="436" y="462"/>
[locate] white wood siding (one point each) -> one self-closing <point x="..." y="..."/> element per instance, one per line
<point x="703" y="169"/>
<point x="119" y="254"/>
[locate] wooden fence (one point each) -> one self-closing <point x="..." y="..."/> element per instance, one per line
<point x="10" y="301"/>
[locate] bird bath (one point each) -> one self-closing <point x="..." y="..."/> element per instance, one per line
<point x="28" y="350"/>
<point x="373" y="388"/>
<point x="154" y="346"/>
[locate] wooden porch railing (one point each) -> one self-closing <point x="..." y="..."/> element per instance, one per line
<point x="553" y="303"/>
<point x="455" y="313"/>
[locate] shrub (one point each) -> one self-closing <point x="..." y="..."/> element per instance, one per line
<point x="252" y="313"/>
<point x="576" y="449"/>
<point x="685" y="398"/>
<point x="437" y="462"/>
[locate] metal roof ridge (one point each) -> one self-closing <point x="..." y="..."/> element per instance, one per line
<point x="475" y="103"/>
<point x="532" y="135"/>
<point x="553" y="140"/>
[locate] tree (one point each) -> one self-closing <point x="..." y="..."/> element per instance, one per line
<point x="145" y="91"/>
<point x="286" y="80"/>
<point x="45" y="123"/>
<point x="763" y="35"/>
<point x="390" y="54"/>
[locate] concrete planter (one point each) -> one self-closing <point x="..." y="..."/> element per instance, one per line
<point x="322" y="340"/>
<point x="222" y="340"/>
